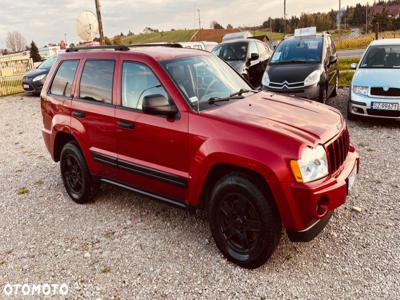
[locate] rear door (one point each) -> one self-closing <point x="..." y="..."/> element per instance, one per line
<point x="152" y="150"/>
<point x="93" y="114"/>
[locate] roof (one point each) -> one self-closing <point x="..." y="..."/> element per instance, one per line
<point x="167" y="53"/>
<point x="385" y="42"/>
<point x="159" y="52"/>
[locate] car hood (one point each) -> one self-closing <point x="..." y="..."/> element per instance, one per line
<point x="36" y="72"/>
<point x="377" y="78"/>
<point x="280" y="73"/>
<point x="307" y="121"/>
<point x="238" y="65"/>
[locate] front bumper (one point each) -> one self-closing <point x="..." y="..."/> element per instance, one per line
<point x="32" y="86"/>
<point x="360" y="105"/>
<point x="307" y="207"/>
<point x="309" y="92"/>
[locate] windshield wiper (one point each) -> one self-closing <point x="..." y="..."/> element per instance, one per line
<point x="234" y="96"/>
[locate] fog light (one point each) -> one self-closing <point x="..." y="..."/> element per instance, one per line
<point x="322" y="207"/>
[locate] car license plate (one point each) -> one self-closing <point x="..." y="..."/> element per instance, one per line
<point x="26" y="86"/>
<point x="352" y="178"/>
<point x="385" y="106"/>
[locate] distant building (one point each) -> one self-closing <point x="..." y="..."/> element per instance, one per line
<point x="392" y="10"/>
<point x="48" y="51"/>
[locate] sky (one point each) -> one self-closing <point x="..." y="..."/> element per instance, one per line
<point x="49" y="21"/>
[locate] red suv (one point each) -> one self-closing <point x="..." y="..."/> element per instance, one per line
<point x="181" y="126"/>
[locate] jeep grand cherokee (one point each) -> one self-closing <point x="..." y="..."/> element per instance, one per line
<point x="181" y="126"/>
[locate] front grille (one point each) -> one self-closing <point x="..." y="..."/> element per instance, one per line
<point x="384" y="113"/>
<point x="286" y="85"/>
<point x="391" y="92"/>
<point x="338" y="150"/>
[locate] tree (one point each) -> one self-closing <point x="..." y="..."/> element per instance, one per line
<point x="34" y="53"/>
<point x="15" y="41"/>
<point x="229" y="26"/>
<point x="107" y="41"/>
<point x="117" y="40"/>
<point x="216" y="25"/>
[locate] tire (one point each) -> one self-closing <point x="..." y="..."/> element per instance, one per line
<point x="335" y="90"/>
<point x="244" y="224"/>
<point x="76" y="177"/>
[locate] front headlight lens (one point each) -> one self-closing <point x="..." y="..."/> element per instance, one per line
<point x="39" y="77"/>
<point x="265" y="80"/>
<point x="312" y="165"/>
<point x="313" y="78"/>
<point x="361" y="90"/>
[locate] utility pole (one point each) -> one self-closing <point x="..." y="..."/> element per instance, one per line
<point x="284" y="18"/>
<point x="340" y="19"/>
<point x="366" y="18"/>
<point x="198" y="11"/>
<point x="100" y="22"/>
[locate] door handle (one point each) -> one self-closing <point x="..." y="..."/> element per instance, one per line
<point x="126" y="124"/>
<point x="79" y="114"/>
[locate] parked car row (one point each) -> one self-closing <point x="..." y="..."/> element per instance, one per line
<point x="183" y="127"/>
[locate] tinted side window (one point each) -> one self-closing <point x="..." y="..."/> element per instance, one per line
<point x="62" y="83"/>
<point x="138" y="81"/>
<point x="97" y="81"/>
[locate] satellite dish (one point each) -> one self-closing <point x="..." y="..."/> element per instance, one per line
<point x="87" y="26"/>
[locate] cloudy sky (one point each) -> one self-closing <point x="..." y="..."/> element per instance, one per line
<point x="47" y="21"/>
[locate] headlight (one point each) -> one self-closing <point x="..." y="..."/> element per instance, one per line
<point x="312" y="165"/>
<point x="39" y="77"/>
<point x="362" y="90"/>
<point x="265" y="80"/>
<point x="313" y="78"/>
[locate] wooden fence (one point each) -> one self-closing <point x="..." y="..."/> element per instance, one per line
<point x="12" y="69"/>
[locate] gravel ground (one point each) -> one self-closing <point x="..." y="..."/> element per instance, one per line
<point x="127" y="246"/>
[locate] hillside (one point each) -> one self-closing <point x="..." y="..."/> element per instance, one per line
<point x="166" y="36"/>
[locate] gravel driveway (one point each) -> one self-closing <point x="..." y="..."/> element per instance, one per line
<point x="127" y="246"/>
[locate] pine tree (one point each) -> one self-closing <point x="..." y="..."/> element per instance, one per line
<point x="35" y="53"/>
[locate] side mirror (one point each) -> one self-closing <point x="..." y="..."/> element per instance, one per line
<point x="353" y="66"/>
<point x="158" y="105"/>
<point x="333" y="59"/>
<point x="254" y="56"/>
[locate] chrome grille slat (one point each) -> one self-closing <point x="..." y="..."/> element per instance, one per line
<point x="338" y="150"/>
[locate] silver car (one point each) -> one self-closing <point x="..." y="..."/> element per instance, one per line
<point x="375" y="89"/>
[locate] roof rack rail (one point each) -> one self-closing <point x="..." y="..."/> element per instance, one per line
<point x="114" y="47"/>
<point x="123" y="47"/>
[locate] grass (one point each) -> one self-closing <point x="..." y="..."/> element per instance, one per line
<point x="363" y="41"/>
<point x="23" y="191"/>
<point x="273" y="36"/>
<point x="346" y="74"/>
<point x="165" y="36"/>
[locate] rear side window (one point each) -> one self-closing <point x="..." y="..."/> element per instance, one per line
<point x="97" y="81"/>
<point x="62" y="83"/>
<point x="138" y="81"/>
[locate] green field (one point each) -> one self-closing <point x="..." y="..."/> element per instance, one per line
<point x="346" y="74"/>
<point x="166" y="36"/>
<point x="274" y="36"/>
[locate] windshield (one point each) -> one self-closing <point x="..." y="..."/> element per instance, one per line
<point x="232" y="51"/>
<point x="201" y="78"/>
<point x="48" y="62"/>
<point x="383" y="57"/>
<point x="307" y="50"/>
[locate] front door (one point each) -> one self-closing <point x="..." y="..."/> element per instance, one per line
<point x="152" y="150"/>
